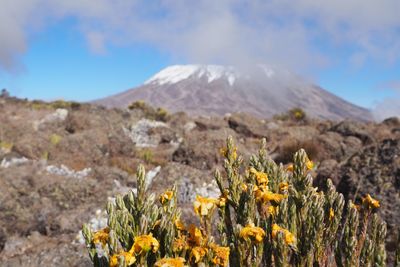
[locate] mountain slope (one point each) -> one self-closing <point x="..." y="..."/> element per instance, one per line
<point x="216" y="90"/>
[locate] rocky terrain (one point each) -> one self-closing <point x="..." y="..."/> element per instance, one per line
<point x="61" y="162"/>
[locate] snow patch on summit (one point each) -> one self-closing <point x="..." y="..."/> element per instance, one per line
<point x="177" y="73"/>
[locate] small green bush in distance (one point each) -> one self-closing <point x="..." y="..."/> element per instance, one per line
<point x="267" y="216"/>
<point x="6" y="146"/>
<point x="159" y="114"/>
<point x="42" y="105"/>
<point x="55" y="139"/>
<point x="140" y="104"/>
<point x="297" y="114"/>
<point x="294" y="114"/>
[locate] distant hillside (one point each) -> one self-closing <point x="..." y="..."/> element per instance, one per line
<point x="216" y="90"/>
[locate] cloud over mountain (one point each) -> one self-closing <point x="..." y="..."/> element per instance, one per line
<point x="289" y="33"/>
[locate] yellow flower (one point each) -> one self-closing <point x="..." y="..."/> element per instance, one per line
<point x="283" y="187"/>
<point x="253" y="233"/>
<point x="331" y="214"/>
<point x="204" y="206"/>
<point x="170" y="262"/>
<point x="179" y="225"/>
<point x="290" y="239"/>
<point x="166" y="196"/>
<point x="197" y="254"/>
<point x="369" y="202"/>
<point x="196" y="237"/>
<point x="221" y="201"/>
<point x="244" y="187"/>
<point x="234" y="154"/>
<point x="309" y="164"/>
<point x="261" y="177"/>
<point x="179" y="244"/>
<point x="259" y="190"/>
<point x="289" y="168"/>
<point x="224" y="153"/>
<point x="114" y="261"/>
<point x="129" y="258"/>
<point x="221" y="256"/>
<point x="272" y="210"/>
<point x="268" y="196"/>
<point x="145" y="243"/>
<point x="101" y="236"/>
<point x="352" y="205"/>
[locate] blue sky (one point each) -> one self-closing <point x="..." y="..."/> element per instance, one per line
<point x="81" y="50"/>
<point x="59" y="65"/>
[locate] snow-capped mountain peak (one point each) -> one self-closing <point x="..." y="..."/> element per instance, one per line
<point x="177" y="73"/>
<point x="262" y="90"/>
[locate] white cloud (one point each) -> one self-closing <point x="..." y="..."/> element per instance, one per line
<point x="96" y="42"/>
<point x="281" y="32"/>
<point x="389" y="106"/>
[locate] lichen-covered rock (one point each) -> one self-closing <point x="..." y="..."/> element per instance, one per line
<point x="247" y="125"/>
<point x="375" y="170"/>
<point x="352" y="128"/>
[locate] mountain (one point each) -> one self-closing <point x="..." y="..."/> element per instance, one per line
<point x="216" y="90"/>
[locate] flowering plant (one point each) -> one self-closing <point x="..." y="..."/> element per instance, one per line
<point x="268" y="215"/>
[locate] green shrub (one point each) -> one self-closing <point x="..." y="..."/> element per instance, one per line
<point x="268" y="216"/>
<point x="55" y="139"/>
<point x="40" y="105"/>
<point x="6" y="146"/>
<point x="149" y="112"/>
<point x="297" y="114"/>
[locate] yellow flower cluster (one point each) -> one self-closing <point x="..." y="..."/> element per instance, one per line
<point x="166" y="197"/>
<point x="253" y="233"/>
<point x="261" y="190"/>
<point x="141" y="246"/>
<point x="224" y="153"/>
<point x="221" y="255"/>
<point x="170" y="262"/>
<point x="370" y="202"/>
<point x="196" y="237"/>
<point x="283" y="187"/>
<point x="195" y="242"/>
<point x="272" y="210"/>
<point x="197" y="254"/>
<point x="264" y="195"/>
<point x="180" y="244"/>
<point x="101" y="236"/>
<point x="128" y="256"/>
<point x="179" y="225"/>
<point x="221" y="201"/>
<point x="290" y="239"/>
<point x="145" y="243"/>
<point x="261" y="177"/>
<point x="204" y="206"/>
<point x="309" y="166"/>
